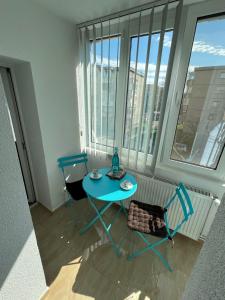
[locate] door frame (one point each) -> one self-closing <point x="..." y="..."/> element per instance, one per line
<point x="18" y="133"/>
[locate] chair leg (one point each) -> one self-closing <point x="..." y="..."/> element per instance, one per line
<point x="137" y="253"/>
<point x="150" y="247"/>
<point x="123" y="208"/>
<point x="69" y="200"/>
<point x="140" y="252"/>
<point x="164" y="261"/>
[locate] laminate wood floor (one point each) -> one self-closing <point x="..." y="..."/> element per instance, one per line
<point x="85" y="267"/>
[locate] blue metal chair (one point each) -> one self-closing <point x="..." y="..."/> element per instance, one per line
<point x="74" y="189"/>
<point x="144" y="218"/>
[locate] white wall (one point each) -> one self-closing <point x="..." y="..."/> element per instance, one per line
<point x="30" y="33"/>
<point x="21" y="272"/>
<point x="24" y="89"/>
<point x="207" y="280"/>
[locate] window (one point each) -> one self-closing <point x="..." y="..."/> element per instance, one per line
<point x="143" y="108"/>
<point x="125" y="66"/>
<point x="200" y="130"/>
<point x="105" y="68"/>
<point x="162" y="103"/>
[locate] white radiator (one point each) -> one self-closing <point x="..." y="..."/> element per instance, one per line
<point x="157" y="192"/>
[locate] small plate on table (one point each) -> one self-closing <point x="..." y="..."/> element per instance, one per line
<point x="126" y="185"/>
<point x="95" y="176"/>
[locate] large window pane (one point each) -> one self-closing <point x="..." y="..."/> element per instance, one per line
<point x="200" y="132"/>
<point x="107" y="65"/>
<point x="151" y="111"/>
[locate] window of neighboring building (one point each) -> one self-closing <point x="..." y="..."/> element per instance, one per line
<point x="222" y="75"/>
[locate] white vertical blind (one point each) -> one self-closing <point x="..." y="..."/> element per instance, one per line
<point x="101" y="84"/>
<point x="94" y="87"/>
<point x="134" y="88"/>
<point x="139" y="92"/>
<point x="116" y="83"/>
<point x="87" y="76"/>
<point x="140" y="119"/>
<point x="123" y="76"/>
<point x="156" y="79"/>
<point x="177" y="22"/>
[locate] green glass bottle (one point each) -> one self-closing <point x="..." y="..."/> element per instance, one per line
<point x="115" y="161"/>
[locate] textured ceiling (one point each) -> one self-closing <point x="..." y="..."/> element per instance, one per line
<point x="78" y="11"/>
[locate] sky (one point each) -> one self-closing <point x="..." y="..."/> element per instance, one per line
<point x="208" y="49"/>
<point x="209" y="44"/>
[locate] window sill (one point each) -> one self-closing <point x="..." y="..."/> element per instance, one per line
<point x="211" y="184"/>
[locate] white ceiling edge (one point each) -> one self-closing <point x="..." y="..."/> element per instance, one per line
<point x="77" y="11"/>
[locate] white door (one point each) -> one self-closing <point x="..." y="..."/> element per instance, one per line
<point x="18" y="133"/>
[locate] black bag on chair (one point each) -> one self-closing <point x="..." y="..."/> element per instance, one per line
<point x="74" y="188"/>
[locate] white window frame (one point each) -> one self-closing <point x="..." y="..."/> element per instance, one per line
<point x="194" y="175"/>
<point x="126" y="35"/>
<point x="198" y="176"/>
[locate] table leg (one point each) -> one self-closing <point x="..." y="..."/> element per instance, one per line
<point x="123" y="208"/>
<point x="98" y="216"/>
<point x="95" y="219"/>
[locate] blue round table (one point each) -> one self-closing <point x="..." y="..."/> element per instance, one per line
<point x="109" y="191"/>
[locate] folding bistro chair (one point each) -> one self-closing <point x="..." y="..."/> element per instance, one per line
<point x="66" y="164"/>
<point x="144" y="218"/>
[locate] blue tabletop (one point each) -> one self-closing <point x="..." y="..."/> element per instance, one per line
<point x="107" y="189"/>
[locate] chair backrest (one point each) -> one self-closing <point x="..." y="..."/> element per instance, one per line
<point x="182" y="196"/>
<point x="72" y="160"/>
